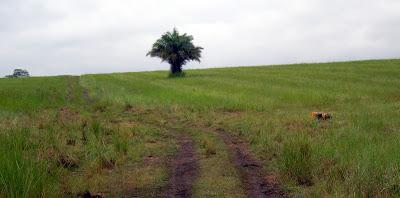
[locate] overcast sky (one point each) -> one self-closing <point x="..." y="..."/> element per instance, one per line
<point x="53" y="37"/>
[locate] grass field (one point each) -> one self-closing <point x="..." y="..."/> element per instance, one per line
<point x="112" y="133"/>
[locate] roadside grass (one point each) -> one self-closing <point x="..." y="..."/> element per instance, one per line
<point x="123" y="155"/>
<point x="61" y="144"/>
<point x="21" y="174"/>
<point x="350" y="155"/>
<point x="25" y="172"/>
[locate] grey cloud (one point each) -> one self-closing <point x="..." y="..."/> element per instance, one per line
<point x="95" y="36"/>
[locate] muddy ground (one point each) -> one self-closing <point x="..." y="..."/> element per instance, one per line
<point x="256" y="181"/>
<point x="183" y="170"/>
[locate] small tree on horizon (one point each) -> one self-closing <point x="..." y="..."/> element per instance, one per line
<point x="176" y="49"/>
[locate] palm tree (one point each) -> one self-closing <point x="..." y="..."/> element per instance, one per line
<point x="175" y="49"/>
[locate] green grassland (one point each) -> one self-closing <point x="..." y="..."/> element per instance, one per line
<point x="111" y="133"/>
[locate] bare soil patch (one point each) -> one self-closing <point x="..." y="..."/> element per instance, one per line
<point x="65" y="114"/>
<point x="256" y="181"/>
<point x="183" y="170"/>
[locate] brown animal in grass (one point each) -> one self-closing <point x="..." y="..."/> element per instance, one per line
<point x="321" y="115"/>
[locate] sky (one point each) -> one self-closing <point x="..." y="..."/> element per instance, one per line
<point x="59" y="37"/>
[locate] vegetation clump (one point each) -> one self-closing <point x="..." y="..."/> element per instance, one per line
<point x="19" y="73"/>
<point x="176" y="49"/>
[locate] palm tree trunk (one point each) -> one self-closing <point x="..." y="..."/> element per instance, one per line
<point x="176" y="69"/>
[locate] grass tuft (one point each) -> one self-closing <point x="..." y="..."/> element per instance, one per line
<point x="297" y="161"/>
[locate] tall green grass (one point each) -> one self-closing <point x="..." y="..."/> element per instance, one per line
<point x="22" y="174"/>
<point x="58" y="141"/>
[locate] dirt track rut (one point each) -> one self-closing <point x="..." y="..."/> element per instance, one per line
<point x="256" y="182"/>
<point x="183" y="170"/>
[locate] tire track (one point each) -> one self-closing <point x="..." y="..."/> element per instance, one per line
<point x="70" y="93"/>
<point x="256" y="182"/>
<point x="87" y="97"/>
<point x="183" y="170"/>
